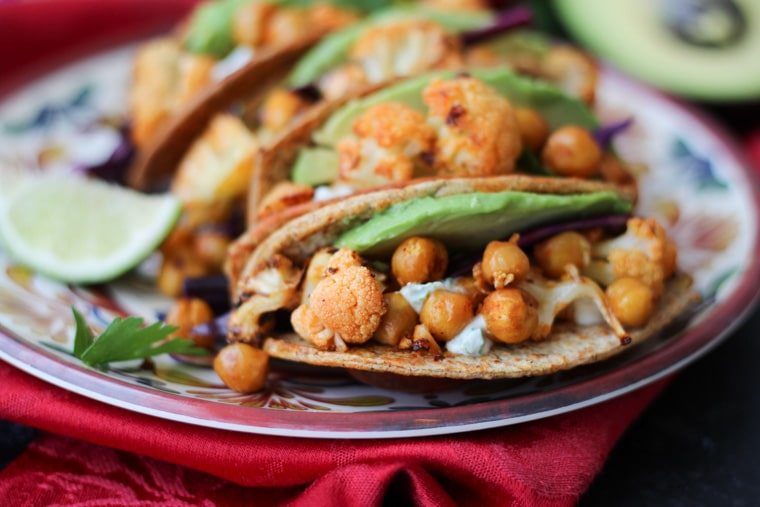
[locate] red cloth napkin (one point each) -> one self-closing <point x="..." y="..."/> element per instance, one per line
<point x="548" y="462"/>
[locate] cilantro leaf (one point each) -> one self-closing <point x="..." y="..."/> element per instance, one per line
<point x="126" y="339"/>
<point x="83" y="337"/>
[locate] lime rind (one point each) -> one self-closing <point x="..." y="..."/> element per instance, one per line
<point x="83" y="231"/>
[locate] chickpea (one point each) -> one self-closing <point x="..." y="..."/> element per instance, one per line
<point x="533" y="128"/>
<point x="571" y="151"/>
<point x="511" y="315"/>
<point x="503" y="263"/>
<point x="446" y="313"/>
<point x="631" y="300"/>
<point x="558" y="251"/>
<point x="211" y="248"/>
<point x="613" y="169"/>
<point x="398" y="322"/>
<point x="419" y="260"/>
<point x="188" y="313"/>
<point x="175" y="269"/>
<point x="241" y="367"/>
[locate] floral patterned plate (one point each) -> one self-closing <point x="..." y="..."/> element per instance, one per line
<point x="690" y="174"/>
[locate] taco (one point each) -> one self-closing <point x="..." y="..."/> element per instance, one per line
<point x="494" y="277"/>
<point x="226" y="51"/>
<point x="484" y="122"/>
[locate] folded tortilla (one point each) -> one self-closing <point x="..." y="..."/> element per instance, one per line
<point x="569" y="345"/>
<point x="158" y="162"/>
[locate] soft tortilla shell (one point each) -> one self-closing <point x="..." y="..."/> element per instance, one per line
<point x="299" y="237"/>
<point x="567" y="347"/>
<point x="158" y="161"/>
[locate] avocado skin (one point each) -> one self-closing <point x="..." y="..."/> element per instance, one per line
<point x="333" y="49"/>
<point x="469" y="221"/>
<point x="632" y="35"/>
<point x="554" y="106"/>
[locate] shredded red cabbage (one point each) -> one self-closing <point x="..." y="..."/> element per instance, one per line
<point x="214" y="290"/>
<point x="610" y="223"/>
<point x="114" y="168"/>
<point x="461" y="264"/>
<point x="605" y="134"/>
<point x="504" y="22"/>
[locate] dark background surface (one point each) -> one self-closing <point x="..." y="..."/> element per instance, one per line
<point x="698" y="444"/>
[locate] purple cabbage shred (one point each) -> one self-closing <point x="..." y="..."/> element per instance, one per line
<point x="504" y="22"/>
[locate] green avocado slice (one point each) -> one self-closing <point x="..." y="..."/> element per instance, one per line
<point x="634" y="36"/>
<point x="554" y="106"/>
<point x="469" y="221"/>
<point x="210" y="28"/>
<point x="333" y="49"/>
<point x="315" y="166"/>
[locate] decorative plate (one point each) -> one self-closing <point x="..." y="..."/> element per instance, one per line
<point x="691" y="177"/>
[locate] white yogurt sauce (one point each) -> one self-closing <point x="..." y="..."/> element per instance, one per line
<point x="326" y="192"/>
<point x="471" y="341"/>
<point x="416" y="293"/>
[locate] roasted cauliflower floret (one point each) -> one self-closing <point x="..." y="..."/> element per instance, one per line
<point x="405" y="48"/>
<point x="284" y="195"/>
<point x="310" y="328"/>
<point x="555" y="296"/>
<point x="218" y="165"/>
<point x="644" y="252"/>
<point x="477" y="130"/>
<point x="574" y="71"/>
<point x="273" y="287"/>
<point x="389" y="142"/>
<point x="349" y="301"/>
<point x="326" y="16"/>
<point x="164" y="78"/>
<point x="315" y="272"/>
<point x="280" y="108"/>
<point x="342" y="81"/>
<point x="250" y="22"/>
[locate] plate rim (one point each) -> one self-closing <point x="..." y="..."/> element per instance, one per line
<point x="722" y="320"/>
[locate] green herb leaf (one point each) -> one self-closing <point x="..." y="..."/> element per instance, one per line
<point x="126" y="339"/>
<point x="83" y="337"/>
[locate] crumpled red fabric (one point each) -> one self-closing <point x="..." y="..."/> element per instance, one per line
<point x="549" y="462"/>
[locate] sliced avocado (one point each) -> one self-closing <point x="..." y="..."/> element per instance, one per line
<point x="333" y="49"/>
<point x="471" y="220"/>
<point x="554" y="106"/>
<point x="315" y="166"/>
<point x="639" y="38"/>
<point x="210" y="28"/>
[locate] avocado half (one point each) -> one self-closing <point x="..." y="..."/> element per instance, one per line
<point x="636" y="37"/>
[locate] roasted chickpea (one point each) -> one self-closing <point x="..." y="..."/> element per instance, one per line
<point x="188" y="313"/>
<point x="571" y="151"/>
<point x="419" y="260"/>
<point x="613" y="169"/>
<point x="398" y="322"/>
<point x="533" y="128"/>
<point x="211" y="248"/>
<point x="503" y="263"/>
<point x="175" y="269"/>
<point x="511" y="315"/>
<point x="446" y="313"/>
<point x="631" y="300"/>
<point x="555" y="253"/>
<point x="241" y="367"/>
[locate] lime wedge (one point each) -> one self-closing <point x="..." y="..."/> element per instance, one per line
<point x="82" y="231"/>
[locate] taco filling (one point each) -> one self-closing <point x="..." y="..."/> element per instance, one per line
<point x="448" y="275"/>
